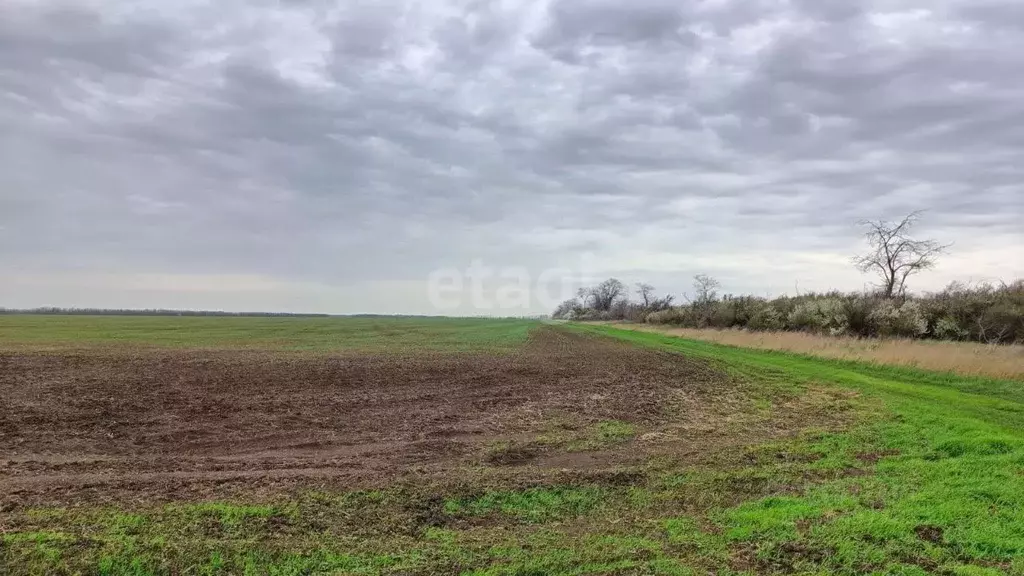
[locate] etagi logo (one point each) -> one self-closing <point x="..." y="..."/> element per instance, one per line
<point x="507" y="288"/>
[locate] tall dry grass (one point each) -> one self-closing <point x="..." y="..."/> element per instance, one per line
<point x="967" y="358"/>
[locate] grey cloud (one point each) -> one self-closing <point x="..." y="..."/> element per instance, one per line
<point x="575" y="25"/>
<point x="994" y="14"/>
<point x="342" y="145"/>
<point x="29" y="36"/>
<point x="370" y="37"/>
<point x="839" y="11"/>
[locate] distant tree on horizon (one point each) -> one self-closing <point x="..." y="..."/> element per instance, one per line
<point x="894" y="255"/>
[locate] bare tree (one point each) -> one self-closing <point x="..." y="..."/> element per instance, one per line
<point x="567" y="310"/>
<point x="650" y="302"/>
<point x="706" y="289"/>
<point x="605" y="294"/>
<point x="894" y="255"/>
<point x="659" y="304"/>
<point x="584" y="295"/>
<point x="646" y="293"/>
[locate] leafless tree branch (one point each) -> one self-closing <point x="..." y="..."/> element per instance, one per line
<point x="894" y="255"/>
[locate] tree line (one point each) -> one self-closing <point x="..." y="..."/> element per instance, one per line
<point x="984" y="312"/>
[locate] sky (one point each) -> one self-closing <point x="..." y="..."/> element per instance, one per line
<point x="450" y="157"/>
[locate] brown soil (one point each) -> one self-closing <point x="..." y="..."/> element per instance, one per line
<point x="152" y="424"/>
<point x="930" y="533"/>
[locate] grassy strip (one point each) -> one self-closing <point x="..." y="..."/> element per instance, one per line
<point x="948" y="487"/>
<point x="866" y="377"/>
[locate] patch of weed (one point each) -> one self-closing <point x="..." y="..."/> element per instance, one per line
<point x="532" y="505"/>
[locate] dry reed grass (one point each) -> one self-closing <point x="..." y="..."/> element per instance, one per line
<point x="967" y="358"/>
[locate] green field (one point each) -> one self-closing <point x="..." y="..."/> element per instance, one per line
<point x="359" y="334"/>
<point x="927" y="476"/>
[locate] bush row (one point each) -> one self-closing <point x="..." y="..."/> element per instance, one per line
<point x="983" y="313"/>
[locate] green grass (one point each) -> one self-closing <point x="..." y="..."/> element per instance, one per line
<point x="359" y="334"/>
<point x="951" y="468"/>
<point x="930" y="479"/>
<point x="569" y="438"/>
<point x="602" y="435"/>
<point x="533" y="505"/>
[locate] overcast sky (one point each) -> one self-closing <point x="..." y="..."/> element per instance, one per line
<point x="330" y="156"/>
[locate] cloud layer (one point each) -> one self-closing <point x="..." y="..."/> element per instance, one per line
<point x="329" y="156"/>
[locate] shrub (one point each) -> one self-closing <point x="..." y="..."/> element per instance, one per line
<point x="634" y="313"/>
<point x="823" y="315"/>
<point x="568" y="310"/>
<point x="744" y="308"/>
<point x="785" y="305"/>
<point x="1003" y="322"/>
<point x="722" y="314"/>
<point x="662" y="317"/>
<point x="947" y="328"/>
<point x="767" y="317"/>
<point x="590" y="315"/>
<point x="679" y="316"/>
<point x="906" y="320"/>
<point x="858" y="314"/>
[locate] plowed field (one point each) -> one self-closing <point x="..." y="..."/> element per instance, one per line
<point x="155" y="423"/>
